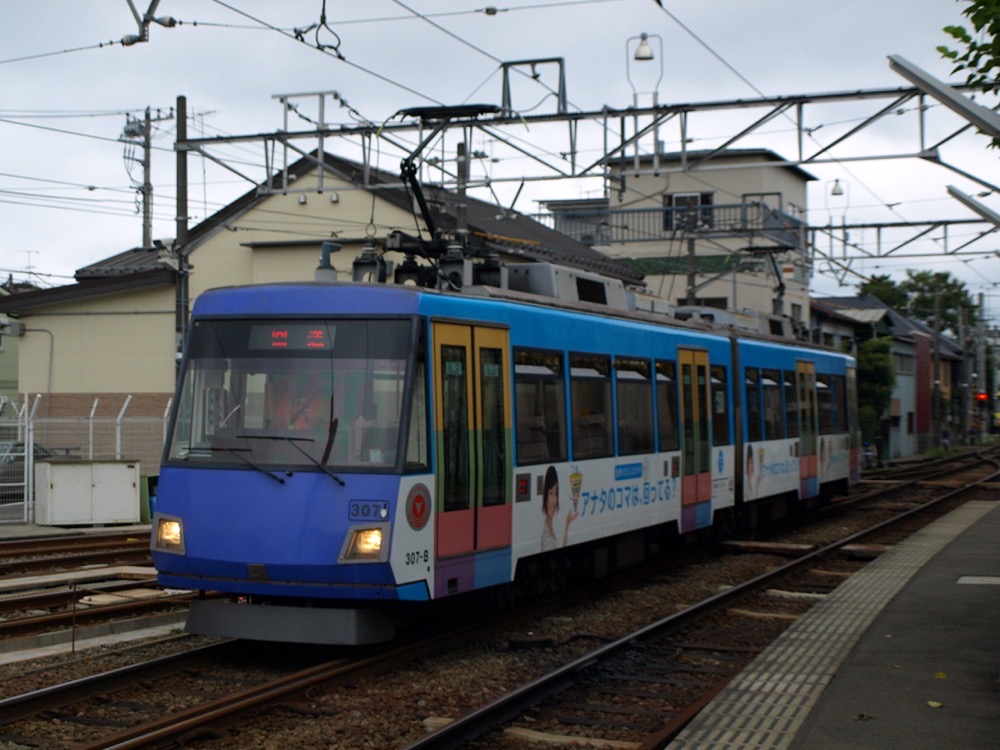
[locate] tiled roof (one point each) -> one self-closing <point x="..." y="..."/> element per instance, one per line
<point x="868" y="309"/>
<point x="136" y="260"/>
<point x="96" y="287"/>
<point x="507" y="232"/>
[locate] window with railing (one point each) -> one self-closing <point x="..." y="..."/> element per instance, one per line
<point x="688" y="212"/>
<point x="678" y="213"/>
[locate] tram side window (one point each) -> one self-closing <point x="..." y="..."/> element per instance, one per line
<point x="416" y="441"/>
<point x="590" y="398"/>
<point x="540" y="399"/>
<point x="774" y="413"/>
<point x="754" y="422"/>
<point x="666" y="405"/>
<point x="824" y="403"/>
<point x="840" y="403"/>
<point x="494" y="440"/>
<point x="635" y="405"/>
<point x="720" y="406"/>
<point x="455" y="427"/>
<point x="791" y="403"/>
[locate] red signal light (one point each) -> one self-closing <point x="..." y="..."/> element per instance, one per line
<point x="982" y="396"/>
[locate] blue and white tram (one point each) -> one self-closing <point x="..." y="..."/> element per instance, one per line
<point x="337" y="448"/>
<point x="799" y="416"/>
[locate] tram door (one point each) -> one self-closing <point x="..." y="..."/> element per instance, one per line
<point x="808" y="413"/>
<point x="696" y="487"/>
<point x="473" y="421"/>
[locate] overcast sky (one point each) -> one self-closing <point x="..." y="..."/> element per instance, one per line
<point x="67" y="196"/>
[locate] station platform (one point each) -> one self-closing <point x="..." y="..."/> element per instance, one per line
<point x="79" y="639"/>
<point x="905" y="655"/>
<point x="30" y="530"/>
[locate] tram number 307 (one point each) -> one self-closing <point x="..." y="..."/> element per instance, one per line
<point x="415" y="558"/>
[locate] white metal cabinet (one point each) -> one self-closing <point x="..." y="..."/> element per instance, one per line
<point x="86" y="492"/>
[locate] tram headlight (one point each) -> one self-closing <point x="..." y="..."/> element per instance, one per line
<point x="169" y="535"/>
<point x="366" y="544"/>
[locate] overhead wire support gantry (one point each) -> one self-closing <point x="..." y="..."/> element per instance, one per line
<point x="613" y="137"/>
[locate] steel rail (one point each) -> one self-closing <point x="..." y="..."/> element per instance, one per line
<point x="478" y="723"/>
<point x="53" y="544"/>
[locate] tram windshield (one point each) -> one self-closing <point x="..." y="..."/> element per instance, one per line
<point x="316" y="394"/>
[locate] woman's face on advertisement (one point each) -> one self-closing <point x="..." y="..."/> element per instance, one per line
<point x="552" y="500"/>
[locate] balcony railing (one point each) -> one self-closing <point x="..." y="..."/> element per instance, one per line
<point x="629" y="225"/>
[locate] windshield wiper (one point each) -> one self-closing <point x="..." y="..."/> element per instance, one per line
<point x="332" y="432"/>
<point x="295" y="442"/>
<point x="325" y="469"/>
<point x="248" y="462"/>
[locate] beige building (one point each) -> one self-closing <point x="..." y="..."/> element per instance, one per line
<point x="720" y="229"/>
<point x="113" y="334"/>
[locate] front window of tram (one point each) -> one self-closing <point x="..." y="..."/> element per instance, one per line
<point x="293" y="393"/>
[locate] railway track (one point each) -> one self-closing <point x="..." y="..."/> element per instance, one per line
<point x="926" y="468"/>
<point x="73" y="608"/>
<point x="124" y="708"/>
<point x="210" y="681"/>
<point x="676" y="665"/>
<point x="635" y="688"/>
<point x="51" y="584"/>
<point x="19" y="556"/>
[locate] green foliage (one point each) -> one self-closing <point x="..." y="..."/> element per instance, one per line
<point x="885" y="289"/>
<point x="921" y="289"/>
<point x="869" y="423"/>
<point x="876" y="380"/>
<point x="977" y="56"/>
<point x="915" y="297"/>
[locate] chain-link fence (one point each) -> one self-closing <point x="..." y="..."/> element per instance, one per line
<point x="27" y="439"/>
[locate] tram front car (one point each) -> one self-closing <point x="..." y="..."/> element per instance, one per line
<point x="290" y="442"/>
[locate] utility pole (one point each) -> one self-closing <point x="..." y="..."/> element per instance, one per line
<point x="937" y="421"/>
<point x="966" y="379"/>
<point x="141" y="130"/>
<point x="691" y="296"/>
<point x="983" y="384"/>
<point x="181" y="249"/>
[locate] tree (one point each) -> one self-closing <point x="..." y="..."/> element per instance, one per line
<point x="885" y="289"/>
<point x="876" y="380"/>
<point x="978" y="58"/>
<point x="926" y="289"/>
<point x="917" y="295"/>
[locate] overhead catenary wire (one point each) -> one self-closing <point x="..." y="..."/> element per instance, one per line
<point x="809" y="133"/>
<point x="338" y="56"/>
<point x="257" y="160"/>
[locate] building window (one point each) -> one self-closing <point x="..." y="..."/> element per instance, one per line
<point x="687" y="212"/>
<point x="905" y="364"/>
